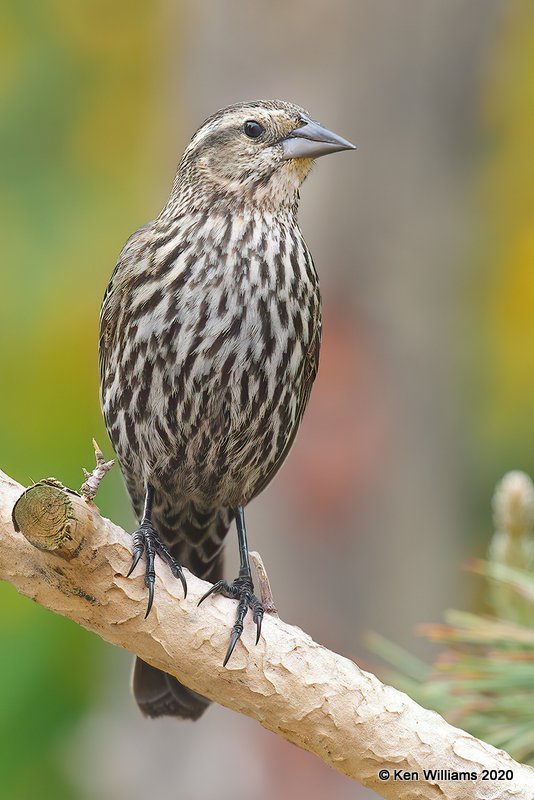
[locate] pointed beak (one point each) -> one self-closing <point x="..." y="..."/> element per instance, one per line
<point x="311" y="140"/>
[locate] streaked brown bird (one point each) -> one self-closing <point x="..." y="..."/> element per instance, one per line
<point x="209" y="344"/>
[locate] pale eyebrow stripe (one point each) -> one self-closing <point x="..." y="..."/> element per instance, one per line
<point x="225" y="123"/>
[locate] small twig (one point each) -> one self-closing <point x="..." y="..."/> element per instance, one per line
<point x="89" y="487"/>
<point x="266" y="595"/>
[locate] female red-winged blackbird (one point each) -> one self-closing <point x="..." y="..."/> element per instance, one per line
<point x="209" y="343"/>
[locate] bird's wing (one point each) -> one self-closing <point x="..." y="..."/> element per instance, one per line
<point x="303" y="387"/>
<point x="110" y="311"/>
<point x="111" y="319"/>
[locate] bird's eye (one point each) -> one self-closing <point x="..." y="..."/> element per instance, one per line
<point x="253" y="129"/>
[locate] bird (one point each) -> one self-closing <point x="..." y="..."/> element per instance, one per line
<point x="210" y="330"/>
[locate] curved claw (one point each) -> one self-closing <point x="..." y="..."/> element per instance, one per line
<point x="175" y="567"/>
<point x="236" y="633"/>
<point x="211" y="590"/>
<point x="177" y="572"/>
<point x="146" y="540"/>
<point x="150" y="573"/>
<point x="258" y="619"/>
<point x="150" y="584"/>
<point x="138" y="552"/>
<point x="242" y="590"/>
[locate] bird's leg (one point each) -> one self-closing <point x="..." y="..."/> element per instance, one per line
<point x="146" y="540"/>
<point x="242" y="589"/>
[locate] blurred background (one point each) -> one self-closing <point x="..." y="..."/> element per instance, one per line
<point x="424" y="242"/>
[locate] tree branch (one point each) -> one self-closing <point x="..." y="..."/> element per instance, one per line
<point x="291" y="685"/>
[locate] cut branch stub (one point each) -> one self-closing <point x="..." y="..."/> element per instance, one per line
<point x="45" y="516"/>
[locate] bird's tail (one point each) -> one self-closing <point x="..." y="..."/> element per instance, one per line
<point x="197" y="546"/>
<point x="160" y="695"/>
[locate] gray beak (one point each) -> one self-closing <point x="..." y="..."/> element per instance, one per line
<point x="311" y="140"/>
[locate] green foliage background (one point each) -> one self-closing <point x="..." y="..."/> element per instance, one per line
<point x="79" y="104"/>
<point x="504" y="252"/>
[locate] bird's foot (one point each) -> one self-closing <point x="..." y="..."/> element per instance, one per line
<point x="242" y="589"/>
<point x="147" y="541"/>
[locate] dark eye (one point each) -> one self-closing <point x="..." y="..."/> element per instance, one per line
<point x="253" y="129"/>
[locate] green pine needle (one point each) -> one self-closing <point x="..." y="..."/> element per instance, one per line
<point x="483" y="679"/>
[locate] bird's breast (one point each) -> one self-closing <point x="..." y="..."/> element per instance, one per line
<point x="212" y="348"/>
<point x="235" y="310"/>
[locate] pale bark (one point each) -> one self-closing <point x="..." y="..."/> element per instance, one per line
<point x="289" y="683"/>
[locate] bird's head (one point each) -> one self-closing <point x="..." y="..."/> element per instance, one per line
<point x="257" y="152"/>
